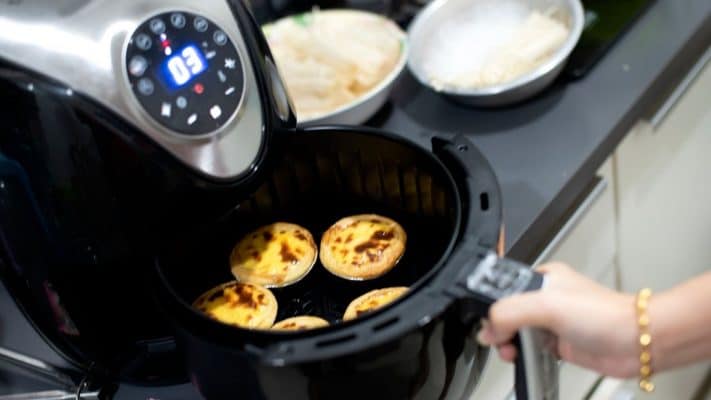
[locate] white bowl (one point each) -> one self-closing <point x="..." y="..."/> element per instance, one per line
<point x="367" y="104"/>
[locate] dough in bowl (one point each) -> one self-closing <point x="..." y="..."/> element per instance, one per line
<point x="332" y="58"/>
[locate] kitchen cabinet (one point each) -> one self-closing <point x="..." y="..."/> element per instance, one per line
<point x="680" y="384"/>
<point x="663" y="176"/>
<point x="663" y="172"/>
<point x="658" y="213"/>
<point x="587" y="241"/>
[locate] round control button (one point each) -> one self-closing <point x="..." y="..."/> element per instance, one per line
<point x="200" y="24"/>
<point x="157" y="26"/>
<point x="220" y="38"/>
<point x="177" y="20"/>
<point x="189" y="81"/>
<point x="137" y="66"/>
<point x="165" y="109"/>
<point x="146" y="87"/>
<point x="181" y="102"/>
<point x="215" y="111"/>
<point x="143" y="42"/>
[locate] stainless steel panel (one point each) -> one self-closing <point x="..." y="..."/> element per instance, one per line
<point x="82" y="44"/>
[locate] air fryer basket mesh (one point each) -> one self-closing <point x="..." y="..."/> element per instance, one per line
<point x="318" y="178"/>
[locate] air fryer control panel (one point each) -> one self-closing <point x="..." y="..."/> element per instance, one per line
<point x="178" y="71"/>
<point x="185" y="72"/>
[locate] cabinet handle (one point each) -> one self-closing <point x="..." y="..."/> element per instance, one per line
<point x="661" y="113"/>
<point x="574" y="219"/>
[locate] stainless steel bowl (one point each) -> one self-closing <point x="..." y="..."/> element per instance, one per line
<point x="440" y="12"/>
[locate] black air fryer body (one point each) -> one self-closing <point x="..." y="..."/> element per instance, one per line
<point x="139" y="141"/>
<point x="86" y="196"/>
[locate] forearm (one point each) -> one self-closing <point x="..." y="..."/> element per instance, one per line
<point x="681" y="324"/>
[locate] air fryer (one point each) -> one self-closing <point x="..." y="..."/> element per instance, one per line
<point x="140" y="140"/>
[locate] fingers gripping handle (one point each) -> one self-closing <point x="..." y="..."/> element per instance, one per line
<point x="536" y="365"/>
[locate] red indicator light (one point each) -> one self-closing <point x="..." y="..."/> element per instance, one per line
<point x="165" y="43"/>
<point x="198" y="88"/>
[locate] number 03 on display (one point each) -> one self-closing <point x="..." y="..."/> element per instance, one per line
<point x="185" y="65"/>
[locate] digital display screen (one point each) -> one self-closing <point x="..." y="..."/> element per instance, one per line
<point x="184" y="65"/>
<point x="185" y="72"/>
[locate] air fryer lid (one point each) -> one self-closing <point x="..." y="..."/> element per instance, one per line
<point x="192" y="77"/>
<point x="127" y="119"/>
<point x="321" y="176"/>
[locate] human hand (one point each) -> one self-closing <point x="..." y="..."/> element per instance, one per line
<point x="596" y="327"/>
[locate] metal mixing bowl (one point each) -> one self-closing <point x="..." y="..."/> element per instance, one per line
<point x="440" y="12"/>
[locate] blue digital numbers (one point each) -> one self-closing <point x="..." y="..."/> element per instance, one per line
<point x="186" y="64"/>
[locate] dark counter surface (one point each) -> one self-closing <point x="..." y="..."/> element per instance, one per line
<point x="545" y="151"/>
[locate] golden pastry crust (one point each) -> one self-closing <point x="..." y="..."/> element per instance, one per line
<point x="274" y="255"/>
<point x="239" y="304"/>
<point x="372" y="301"/>
<point x="300" y="323"/>
<point x="362" y="247"/>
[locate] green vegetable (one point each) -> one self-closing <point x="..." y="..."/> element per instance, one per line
<point x="304" y="19"/>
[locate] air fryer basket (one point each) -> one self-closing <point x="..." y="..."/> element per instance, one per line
<point x="421" y="346"/>
<point x="316" y="178"/>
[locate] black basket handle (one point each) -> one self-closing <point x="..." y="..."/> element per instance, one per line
<point x="536" y="376"/>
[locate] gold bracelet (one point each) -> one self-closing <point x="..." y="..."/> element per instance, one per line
<point x="645" y="341"/>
